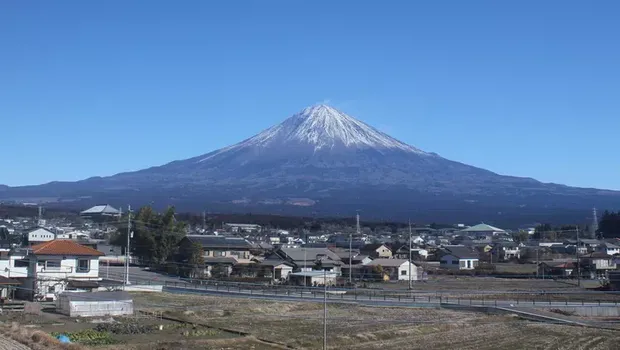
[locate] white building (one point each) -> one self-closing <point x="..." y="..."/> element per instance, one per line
<point x="61" y="265"/>
<point x="395" y="269"/>
<point x="40" y="235"/>
<point x="459" y="258"/>
<point x="609" y="249"/>
<point x="96" y="304"/>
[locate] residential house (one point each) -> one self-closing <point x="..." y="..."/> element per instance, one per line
<point x="101" y="211"/>
<point x="309" y="259"/>
<point x="563" y="269"/>
<point x="276" y="269"/>
<point x="40" y="235"/>
<point x="222" y="251"/>
<point x="60" y="265"/>
<point x="585" y="245"/>
<point x="392" y="270"/>
<point x="243" y="227"/>
<point x="481" y="231"/>
<point x="416" y="253"/>
<point x="313" y="278"/>
<point x="597" y="264"/>
<point x="609" y="249"/>
<point x="376" y="250"/>
<point x="459" y="258"/>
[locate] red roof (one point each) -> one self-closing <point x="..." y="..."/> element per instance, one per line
<point x="64" y="247"/>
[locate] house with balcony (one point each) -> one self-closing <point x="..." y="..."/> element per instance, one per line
<point x="59" y="265"/>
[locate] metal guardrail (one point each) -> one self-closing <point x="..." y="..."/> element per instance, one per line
<point x="417" y="297"/>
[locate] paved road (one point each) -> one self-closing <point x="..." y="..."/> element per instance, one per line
<point x="136" y="275"/>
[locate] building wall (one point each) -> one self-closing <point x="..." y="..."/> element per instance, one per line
<point x="384" y="252"/>
<point x="40" y="236"/>
<point x="453" y="263"/>
<point x="9" y="269"/>
<point x="403" y="272"/>
<point x="51" y="279"/>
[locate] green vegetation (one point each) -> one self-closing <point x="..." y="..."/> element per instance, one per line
<point x="89" y="337"/>
<point x="156" y="235"/>
<point x="609" y="225"/>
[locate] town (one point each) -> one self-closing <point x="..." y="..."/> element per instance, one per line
<point x="78" y="264"/>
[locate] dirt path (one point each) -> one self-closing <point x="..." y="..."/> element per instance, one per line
<point x="8" y="344"/>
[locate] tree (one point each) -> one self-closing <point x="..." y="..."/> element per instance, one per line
<point x="155" y="236"/>
<point x="542" y="231"/>
<point x="521" y="236"/>
<point x="191" y="261"/>
<point x="609" y="225"/>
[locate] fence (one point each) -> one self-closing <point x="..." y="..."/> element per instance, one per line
<point x="585" y="298"/>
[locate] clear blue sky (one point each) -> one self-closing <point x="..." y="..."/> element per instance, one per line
<point x="527" y="88"/>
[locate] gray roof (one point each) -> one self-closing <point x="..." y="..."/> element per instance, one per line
<point x="461" y="252"/>
<point x="219" y="241"/>
<point x="308" y="254"/>
<point x="387" y="262"/>
<point x="97" y="296"/>
<point x="483" y="228"/>
<point x="102" y="209"/>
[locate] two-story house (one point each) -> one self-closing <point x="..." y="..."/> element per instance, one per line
<point x="60" y="265"/>
<point x="597" y="264"/>
<point x="308" y="259"/>
<point x="222" y="251"/>
<point x="376" y="250"/>
<point x="609" y="249"/>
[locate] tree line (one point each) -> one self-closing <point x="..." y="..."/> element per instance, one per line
<point x="609" y="224"/>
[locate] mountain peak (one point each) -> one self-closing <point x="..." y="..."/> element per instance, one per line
<point x="325" y="127"/>
<point x="315" y="128"/>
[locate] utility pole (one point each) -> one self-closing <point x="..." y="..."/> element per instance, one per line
<point x="410" y="286"/>
<point x="325" y="310"/>
<point x="204" y="221"/>
<point x="39" y="223"/>
<point x="578" y="262"/>
<point x="357" y="218"/>
<point x="128" y="241"/>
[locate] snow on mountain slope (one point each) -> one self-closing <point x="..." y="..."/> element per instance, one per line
<point x="321" y="127"/>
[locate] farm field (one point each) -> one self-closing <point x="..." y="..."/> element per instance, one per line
<point x="174" y="321"/>
<point x="300" y="325"/>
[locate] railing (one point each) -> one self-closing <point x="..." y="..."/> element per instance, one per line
<point x="474" y="298"/>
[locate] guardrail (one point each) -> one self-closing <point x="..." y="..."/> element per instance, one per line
<point x="413" y="297"/>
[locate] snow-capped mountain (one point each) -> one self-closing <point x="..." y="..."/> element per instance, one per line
<point x="323" y="161"/>
<point x="320" y="128"/>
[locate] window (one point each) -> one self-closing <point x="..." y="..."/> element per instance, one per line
<point x="403" y="272"/>
<point x="83" y="265"/>
<point x="22" y="263"/>
<point x="52" y="265"/>
<point x="462" y="263"/>
<point x="51" y="289"/>
<point x="455" y="262"/>
<point x="219" y="253"/>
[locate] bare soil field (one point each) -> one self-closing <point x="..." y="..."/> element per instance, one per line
<point x="275" y="325"/>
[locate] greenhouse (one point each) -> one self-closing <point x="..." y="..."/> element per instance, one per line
<point x="96" y="304"/>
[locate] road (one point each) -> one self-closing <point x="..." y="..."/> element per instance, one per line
<point x="136" y="275"/>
